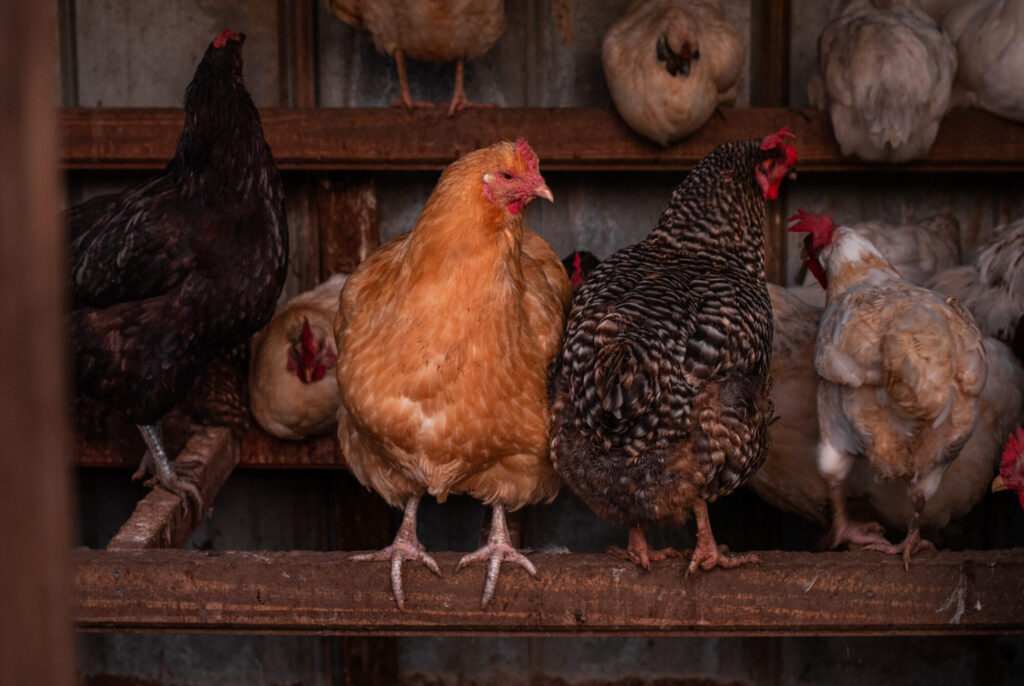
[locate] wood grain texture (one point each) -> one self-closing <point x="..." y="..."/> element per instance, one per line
<point x="565" y="139"/>
<point x="314" y="592"/>
<point x="159" y="520"/>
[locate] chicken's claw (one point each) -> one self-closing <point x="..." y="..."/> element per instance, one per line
<point x="869" y="534"/>
<point x="708" y="558"/>
<point x="499" y="549"/>
<point x="911" y="545"/>
<point x="639" y="553"/>
<point x="398" y="552"/>
<point x="174" y="477"/>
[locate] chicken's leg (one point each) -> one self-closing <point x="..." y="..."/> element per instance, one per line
<point x="404" y="97"/>
<point x="639" y="553"/>
<point x="155" y="462"/>
<point x="406" y="546"/>
<point x="498" y="549"/>
<point x="845" y="531"/>
<point x="459" y="99"/>
<point x="707" y="555"/>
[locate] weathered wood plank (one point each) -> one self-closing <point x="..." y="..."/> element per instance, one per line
<point x="159" y="520"/>
<point x="348" y="223"/>
<point x="568" y="139"/>
<point x="789" y="594"/>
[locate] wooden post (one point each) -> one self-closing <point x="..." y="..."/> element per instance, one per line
<point x="35" y="625"/>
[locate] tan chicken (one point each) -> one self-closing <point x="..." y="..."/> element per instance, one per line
<point x="901" y="372"/>
<point x="669" y="64"/>
<point x="430" y="31"/>
<point x="989" y="38"/>
<point x="885" y="75"/>
<point x="444" y="338"/>
<point x="917" y="251"/>
<point x="992" y="286"/>
<point x="293" y="392"/>
<point x="789" y="478"/>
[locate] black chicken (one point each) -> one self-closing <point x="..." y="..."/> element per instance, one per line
<point x="171" y="273"/>
<point x="661" y="393"/>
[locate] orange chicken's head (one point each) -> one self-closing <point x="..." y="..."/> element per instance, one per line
<point x="517" y="181"/>
<point x="310" y="356"/>
<point x="1011" y="469"/>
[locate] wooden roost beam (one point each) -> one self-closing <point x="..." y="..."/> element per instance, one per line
<point x="577" y="139"/>
<point x="313" y="592"/>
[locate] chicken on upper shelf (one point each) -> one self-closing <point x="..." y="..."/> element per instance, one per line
<point x="1011" y="467"/>
<point x="444" y="339"/>
<point x="170" y="273"/>
<point x="917" y="251"/>
<point x="434" y="31"/>
<point x="293" y="390"/>
<point x="885" y="75"/>
<point x="901" y="368"/>
<point x="660" y="397"/>
<point x="790" y="479"/>
<point x="669" y="64"/>
<point x="992" y="286"/>
<point x="989" y="38"/>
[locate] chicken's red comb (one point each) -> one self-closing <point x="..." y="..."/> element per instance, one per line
<point x="577" y="269"/>
<point x="307" y="336"/>
<point x="524" y="150"/>
<point x="224" y="36"/>
<point x="776" y="139"/>
<point x="820" y="226"/>
<point x="1012" y="452"/>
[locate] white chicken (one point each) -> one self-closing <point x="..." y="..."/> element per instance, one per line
<point x="992" y="287"/>
<point x="918" y="251"/>
<point x="293" y="391"/>
<point x="989" y="38"/>
<point x="885" y="75"/>
<point x="901" y="372"/>
<point x="669" y="64"/>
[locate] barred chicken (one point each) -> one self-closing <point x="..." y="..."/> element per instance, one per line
<point x="293" y="391"/>
<point x="434" y="31"/>
<point x="885" y="75"/>
<point x="445" y="335"/>
<point x="901" y="368"/>
<point x="170" y="274"/>
<point x="661" y="393"/>
<point x="669" y="64"/>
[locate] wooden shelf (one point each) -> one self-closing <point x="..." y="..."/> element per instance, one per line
<point x="565" y="139"/>
<point x="970" y="592"/>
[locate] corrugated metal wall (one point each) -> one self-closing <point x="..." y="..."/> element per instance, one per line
<point x="143" y="53"/>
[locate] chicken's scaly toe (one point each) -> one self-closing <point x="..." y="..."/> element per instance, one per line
<point x="406" y="546"/>
<point x="499" y="549"/>
<point x="868" y="534"/>
<point x="398" y="552"/>
<point x="707" y="558"/>
<point x="639" y="553"/>
<point x="910" y="545"/>
<point x="175" y="478"/>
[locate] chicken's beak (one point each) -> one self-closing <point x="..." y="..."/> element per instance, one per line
<point x="999" y="485"/>
<point x="543" y="191"/>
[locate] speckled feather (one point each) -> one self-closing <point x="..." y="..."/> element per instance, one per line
<point x="661" y="393"/>
<point x="173" y="272"/>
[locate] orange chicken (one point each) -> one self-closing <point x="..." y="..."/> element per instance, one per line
<point x="444" y="338"/>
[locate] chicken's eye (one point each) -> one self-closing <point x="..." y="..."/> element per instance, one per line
<point x="506" y="176"/>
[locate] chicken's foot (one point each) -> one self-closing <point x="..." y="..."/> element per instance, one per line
<point x="155" y="462"/>
<point x="459" y="99"/>
<point x="639" y="553"/>
<point x="844" y="531"/>
<point x="406" y="546"/>
<point x="707" y="555"/>
<point x="911" y="545"/>
<point x="499" y="548"/>
<point x="404" y="96"/>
